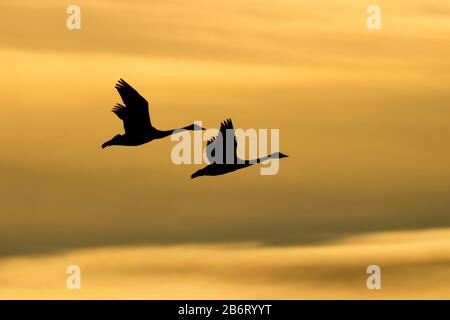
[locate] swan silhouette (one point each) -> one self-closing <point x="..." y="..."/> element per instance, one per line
<point x="226" y="162"/>
<point x="136" y="119"/>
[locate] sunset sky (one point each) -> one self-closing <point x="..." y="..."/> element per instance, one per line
<point x="364" y="116"/>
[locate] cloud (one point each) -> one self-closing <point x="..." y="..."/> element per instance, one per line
<point x="363" y="158"/>
<point x="364" y="117"/>
<point x="278" y="33"/>
<point x="413" y="265"/>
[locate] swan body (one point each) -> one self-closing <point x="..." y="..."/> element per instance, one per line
<point x="136" y="119"/>
<point x="222" y="166"/>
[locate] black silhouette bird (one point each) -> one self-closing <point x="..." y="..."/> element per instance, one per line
<point x="221" y="153"/>
<point x="136" y="119"/>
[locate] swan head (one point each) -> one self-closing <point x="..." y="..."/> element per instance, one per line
<point x="116" y="140"/>
<point x="279" y="155"/>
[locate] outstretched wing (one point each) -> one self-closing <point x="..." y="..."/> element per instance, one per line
<point x="134" y="114"/>
<point x="224" y="142"/>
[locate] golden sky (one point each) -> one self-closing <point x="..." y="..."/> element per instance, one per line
<point x="364" y="116"/>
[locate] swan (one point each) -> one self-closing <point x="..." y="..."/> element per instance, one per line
<point x="136" y="119"/>
<point x="219" y="143"/>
